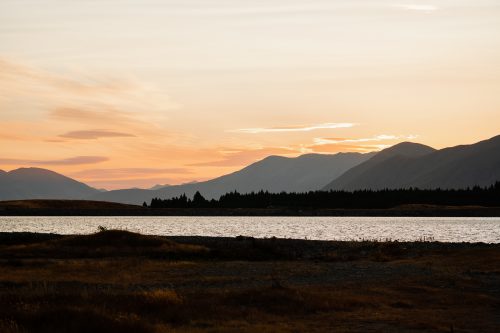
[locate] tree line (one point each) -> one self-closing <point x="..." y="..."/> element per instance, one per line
<point x="361" y="199"/>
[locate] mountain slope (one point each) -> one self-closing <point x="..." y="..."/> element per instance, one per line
<point x="462" y="166"/>
<point x="274" y="174"/>
<point x="372" y="172"/>
<point x="455" y="167"/>
<point x="36" y="183"/>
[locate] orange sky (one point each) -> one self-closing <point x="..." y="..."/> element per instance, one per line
<point x="135" y="93"/>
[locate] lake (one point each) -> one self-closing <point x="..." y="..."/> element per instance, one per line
<point x="443" y="229"/>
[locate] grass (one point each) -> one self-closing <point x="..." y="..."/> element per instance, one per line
<point x="43" y="207"/>
<point x="104" y="244"/>
<point x="63" y="204"/>
<point x="117" y="281"/>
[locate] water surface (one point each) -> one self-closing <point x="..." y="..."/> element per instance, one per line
<point x="444" y="229"/>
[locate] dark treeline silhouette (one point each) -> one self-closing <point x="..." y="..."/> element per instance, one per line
<point x="363" y="199"/>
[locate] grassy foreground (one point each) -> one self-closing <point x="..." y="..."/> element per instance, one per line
<point x="117" y="281"/>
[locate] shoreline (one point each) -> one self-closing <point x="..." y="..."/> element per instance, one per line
<point x="99" y="208"/>
<point x="14" y="237"/>
<point x="303" y="249"/>
<point x="392" y="212"/>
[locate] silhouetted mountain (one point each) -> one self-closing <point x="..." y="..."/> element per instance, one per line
<point x="36" y="183"/>
<point x="158" y="186"/>
<point x="3" y="176"/>
<point x="401" y="166"/>
<point x="404" y="167"/>
<point x="406" y="149"/>
<point x="365" y="172"/>
<point x="274" y="174"/>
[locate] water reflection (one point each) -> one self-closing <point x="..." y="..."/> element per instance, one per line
<point x="445" y="229"/>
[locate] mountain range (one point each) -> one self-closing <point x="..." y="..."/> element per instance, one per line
<point x="413" y="165"/>
<point x="401" y="166"/>
<point x="274" y="174"/>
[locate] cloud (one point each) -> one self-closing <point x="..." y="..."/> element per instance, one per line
<point x="418" y="7"/>
<point x="4" y="136"/>
<point x="247" y="156"/>
<point x="123" y="122"/>
<point x="55" y="140"/>
<point x="78" y="160"/>
<point x="300" y="128"/>
<point x="74" y="97"/>
<point x="94" y="134"/>
<point x="91" y="115"/>
<point x="243" y="157"/>
<point x="331" y="145"/>
<point x="382" y="137"/>
<point x="125" y="173"/>
<point x="345" y="148"/>
<point x="20" y="73"/>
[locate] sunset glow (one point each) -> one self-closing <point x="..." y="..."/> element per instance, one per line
<point x="133" y="93"/>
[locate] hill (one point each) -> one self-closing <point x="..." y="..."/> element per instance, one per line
<point x="67" y="208"/>
<point x="36" y="183"/>
<point x="413" y="165"/>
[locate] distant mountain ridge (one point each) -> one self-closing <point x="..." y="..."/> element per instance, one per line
<point x="400" y="166"/>
<point x="364" y="173"/>
<point x="158" y="186"/>
<point x="423" y="167"/>
<point x="36" y="183"/>
<point x="274" y="173"/>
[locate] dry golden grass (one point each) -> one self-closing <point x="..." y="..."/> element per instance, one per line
<point x="217" y="286"/>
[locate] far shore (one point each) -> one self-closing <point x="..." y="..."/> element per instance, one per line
<point x="99" y="208"/>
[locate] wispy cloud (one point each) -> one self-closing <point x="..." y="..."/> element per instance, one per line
<point x="298" y="128"/>
<point x="382" y="137"/>
<point x="94" y="134"/>
<point x="418" y="7"/>
<point x="4" y="136"/>
<point x="92" y="115"/>
<point x="345" y="148"/>
<point x="73" y="97"/>
<point x="330" y="145"/>
<point x="246" y="156"/>
<point x="78" y="160"/>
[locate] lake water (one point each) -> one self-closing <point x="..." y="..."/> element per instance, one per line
<point x="444" y="229"/>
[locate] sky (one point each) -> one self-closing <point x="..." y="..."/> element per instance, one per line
<point x="133" y="93"/>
